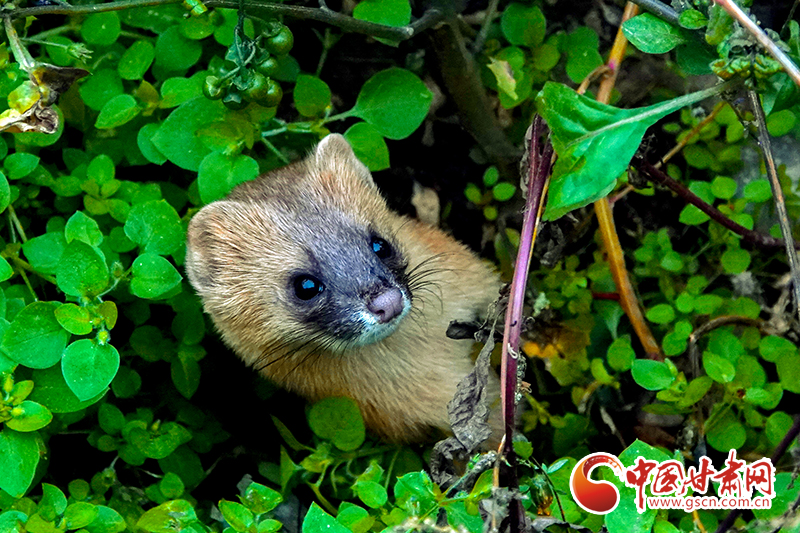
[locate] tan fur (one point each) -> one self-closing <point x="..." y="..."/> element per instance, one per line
<point x="238" y="255"/>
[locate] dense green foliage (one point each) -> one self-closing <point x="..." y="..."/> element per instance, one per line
<point x="102" y="336"/>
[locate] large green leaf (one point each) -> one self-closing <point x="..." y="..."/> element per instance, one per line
<point x="220" y="173"/>
<point x="89" y="367"/>
<point x="595" y="142"/>
<point x="82" y="270"/>
<point x="176" y="138"/>
<point x="153" y="276"/>
<point x="35" y="338"/>
<point x="155" y="226"/>
<point x="19" y="455"/>
<point x="394" y="101"/>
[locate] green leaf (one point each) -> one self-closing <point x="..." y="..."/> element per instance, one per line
<point x="661" y="314"/>
<point x="312" y="95"/>
<point x="595" y="142"/>
<point x="171" y="485"/>
<point x="89" y="367"/>
<point x="153" y="276"/>
<point x="176" y="138"/>
<point x="318" y="521"/>
<point x="789" y="372"/>
<point x="725" y="432"/>
<point x="371" y="493"/>
<point x="82" y="270"/>
<point x="118" y="111"/>
<point x="354" y="518"/>
<point x="171" y="516"/>
<point x="735" y="260"/>
<point x="136" y="60"/>
<point x="29" y="416"/>
<point x="178" y="90"/>
<point x="723" y="187"/>
<point x="5" y="270"/>
<point x="621" y="354"/>
<point x="581" y="47"/>
<point x="111" y="419"/>
<point x="53" y="392"/>
<point x="84" y="229"/>
<point x="394" y="13"/>
<point x="758" y="191"/>
<point x="155" y="226"/>
<point x="718" y="368"/>
<point x="651" y="34"/>
<point x="19" y="455"/>
<point x="107" y="521"/>
<point x="394" y="101"/>
<point x="145" y="143"/>
<point x="261" y="499"/>
<point x="503" y="192"/>
<point x="368" y="145"/>
<point x="771" y="348"/>
<point x="185" y="374"/>
<point x="5" y="192"/>
<point x="777" y="426"/>
<point x="100" y="87"/>
<point x="35" y="338"/>
<point x="220" y="173"/>
<point x="338" y="420"/>
<point x="415" y="493"/>
<point x="44" y="252"/>
<point x="20" y="164"/>
<point x="523" y="25"/>
<point x="101" y="29"/>
<point x="652" y="375"/>
<point x="692" y="19"/>
<point x="176" y="53"/>
<point x="237" y="515"/>
<point x="53" y="502"/>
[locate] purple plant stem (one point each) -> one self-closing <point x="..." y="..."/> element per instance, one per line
<point x="538" y="170"/>
<point x="658" y="176"/>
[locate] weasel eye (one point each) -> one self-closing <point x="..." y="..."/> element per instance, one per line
<point x="307" y="287"/>
<point x="381" y="248"/>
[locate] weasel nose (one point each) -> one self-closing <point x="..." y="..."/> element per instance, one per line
<point x="386" y="305"/>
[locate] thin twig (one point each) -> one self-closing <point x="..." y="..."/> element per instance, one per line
<point x="659" y="9"/>
<point x="762" y="38"/>
<point x="328" y="16"/>
<point x="694" y="132"/>
<point x="777" y="195"/>
<point x="651" y="173"/>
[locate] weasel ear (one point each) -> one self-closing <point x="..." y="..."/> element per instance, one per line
<point x="334" y="153"/>
<point x="203" y="240"/>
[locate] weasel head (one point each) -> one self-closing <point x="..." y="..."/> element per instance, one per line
<point x="305" y="257"/>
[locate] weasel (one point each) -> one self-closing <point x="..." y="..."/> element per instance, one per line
<point x="313" y="280"/>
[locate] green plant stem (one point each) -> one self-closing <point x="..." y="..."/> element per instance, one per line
<point x="275" y="151"/>
<point x="659" y="9"/>
<point x="763" y="39"/>
<point x="777" y="195"/>
<point x="491" y="12"/>
<point x="21" y="53"/>
<point x="12" y="214"/>
<point x="24" y="265"/>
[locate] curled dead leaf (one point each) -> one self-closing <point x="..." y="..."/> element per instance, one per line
<point x="33" y="112"/>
